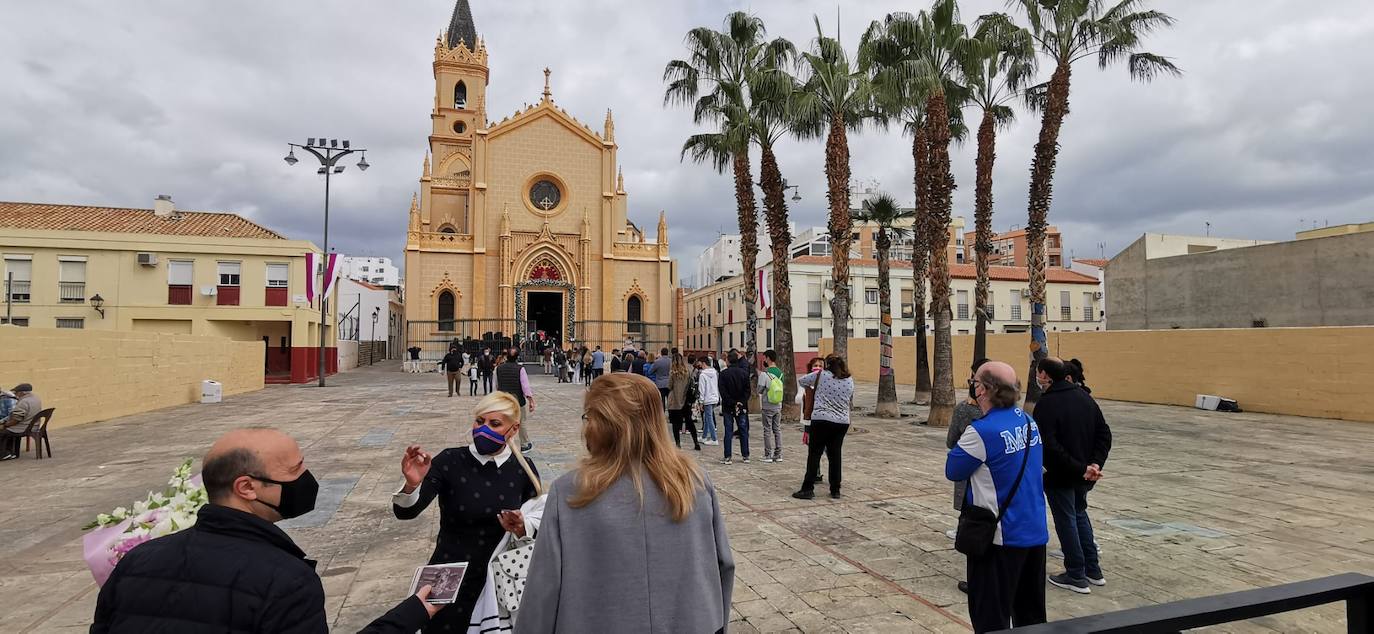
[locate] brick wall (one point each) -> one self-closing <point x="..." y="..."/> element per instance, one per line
<point x="95" y="375"/>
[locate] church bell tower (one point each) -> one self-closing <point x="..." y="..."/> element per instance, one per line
<point x="461" y="73"/>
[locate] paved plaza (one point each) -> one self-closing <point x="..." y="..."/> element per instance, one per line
<point x="1192" y="503"/>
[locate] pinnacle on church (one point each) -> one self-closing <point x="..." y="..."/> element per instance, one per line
<point x="461" y="27"/>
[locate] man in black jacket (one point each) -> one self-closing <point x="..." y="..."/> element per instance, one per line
<point x="453" y="368"/>
<point x="486" y="367"/>
<point x="234" y="571"/>
<point x="1077" y="441"/>
<point x="736" y="388"/>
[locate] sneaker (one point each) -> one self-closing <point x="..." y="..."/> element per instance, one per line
<point x="834" y="495"/>
<point x="952" y="533"/>
<point x="769" y="460"/>
<point x="804" y="495"/>
<point x="11" y="456"/>
<point x="777" y="458"/>
<point x="526" y="447"/>
<point x="1076" y="585"/>
<point x="697" y="448"/>
<point x="746" y="460"/>
<point x="1097" y="581"/>
<point x="726" y="461"/>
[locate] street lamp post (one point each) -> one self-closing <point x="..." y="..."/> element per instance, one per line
<point x="372" y="356"/>
<point x="328" y="152"/>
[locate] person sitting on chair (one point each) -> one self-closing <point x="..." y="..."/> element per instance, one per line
<point x="12" y="428"/>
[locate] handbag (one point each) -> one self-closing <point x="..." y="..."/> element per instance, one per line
<point x="511" y="568"/>
<point x="978" y="525"/>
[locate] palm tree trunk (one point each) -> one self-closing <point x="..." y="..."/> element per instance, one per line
<point x="982" y="223"/>
<point x="1041" y="192"/>
<point x="837" y="192"/>
<point x="780" y="236"/>
<point x="887" y="381"/>
<point x="920" y="265"/>
<point x="941" y="195"/>
<point x="748" y="249"/>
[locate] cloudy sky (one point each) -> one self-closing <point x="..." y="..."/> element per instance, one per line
<point x="112" y="103"/>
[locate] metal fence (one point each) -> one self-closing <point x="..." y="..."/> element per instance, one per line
<point x="433" y="338"/>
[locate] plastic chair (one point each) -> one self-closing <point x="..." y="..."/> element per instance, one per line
<point x="38" y="432"/>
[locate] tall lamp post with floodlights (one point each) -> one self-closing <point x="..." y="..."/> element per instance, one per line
<point x="329" y="153"/>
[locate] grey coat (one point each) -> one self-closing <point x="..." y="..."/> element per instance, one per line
<point x="964" y="415"/>
<point x="611" y="566"/>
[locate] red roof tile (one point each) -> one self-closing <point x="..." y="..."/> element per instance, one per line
<point x="1092" y="262"/>
<point x="969" y="271"/>
<point x="121" y="220"/>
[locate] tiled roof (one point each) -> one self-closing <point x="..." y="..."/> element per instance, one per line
<point x="1092" y="262"/>
<point x="969" y="271"/>
<point x="120" y="220"/>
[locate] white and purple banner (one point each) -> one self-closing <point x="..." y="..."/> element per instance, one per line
<point x="312" y="283"/>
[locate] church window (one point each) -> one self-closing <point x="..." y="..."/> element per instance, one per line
<point x="545" y="269"/>
<point x="460" y="95"/>
<point x="460" y="127"/>
<point x="446" y="311"/>
<point x="447" y="229"/>
<point x="634" y="313"/>
<point x="545" y="194"/>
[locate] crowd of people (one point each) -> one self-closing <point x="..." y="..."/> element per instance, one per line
<point x="635" y="485"/>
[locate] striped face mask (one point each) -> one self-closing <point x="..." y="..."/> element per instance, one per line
<point x="487" y="441"/>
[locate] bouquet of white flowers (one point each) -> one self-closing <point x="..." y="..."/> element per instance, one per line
<point x="119" y="531"/>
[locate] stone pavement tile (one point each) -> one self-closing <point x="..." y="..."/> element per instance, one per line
<point x="769" y="623"/>
<point x="883" y="623"/>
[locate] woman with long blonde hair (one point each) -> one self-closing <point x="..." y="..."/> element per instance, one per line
<point x="681" y="397"/>
<point x="632" y="540"/>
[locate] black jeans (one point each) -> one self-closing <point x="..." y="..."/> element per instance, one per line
<point x="678" y="418"/>
<point x="486" y="383"/>
<point x="827" y="438"/>
<point x="1006" y="588"/>
<point x="1069" y="506"/>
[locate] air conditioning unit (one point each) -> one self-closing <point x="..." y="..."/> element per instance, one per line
<point x="209" y="291"/>
<point x="1025" y="292"/>
<point x="147" y="259"/>
<point x="1097" y="295"/>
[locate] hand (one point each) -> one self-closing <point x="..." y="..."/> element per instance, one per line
<point x="432" y="608"/>
<point x="806" y="438"/>
<point x="529" y="400"/>
<point x="513" y="522"/>
<point x="414" y="466"/>
<point x="1093" y="473"/>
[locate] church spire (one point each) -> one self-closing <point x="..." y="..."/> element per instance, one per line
<point x="610" y="127"/>
<point x="663" y="227"/>
<point x="461" y="27"/>
<point x="548" y="93"/>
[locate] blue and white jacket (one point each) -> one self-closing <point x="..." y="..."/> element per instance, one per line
<point x="989" y="456"/>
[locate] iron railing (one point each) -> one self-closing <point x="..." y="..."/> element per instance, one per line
<point x="1356" y="590"/>
<point x="433" y="338"/>
<point x="71" y="292"/>
<point x="17" y="291"/>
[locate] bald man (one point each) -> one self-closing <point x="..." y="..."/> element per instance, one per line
<point x="1001" y="456"/>
<point x="234" y="570"/>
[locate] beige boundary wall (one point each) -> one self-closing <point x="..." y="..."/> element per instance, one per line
<point x="94" y="375"/>
<point x="1318" y="372"/>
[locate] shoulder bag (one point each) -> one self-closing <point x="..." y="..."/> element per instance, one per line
<point x="978" y="525"/>
<point x="511" y="568"/>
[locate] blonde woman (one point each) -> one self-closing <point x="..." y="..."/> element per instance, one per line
<point x="632" y="540"/>
<point x="479" y="488"/>
<point x="680" y="400"/>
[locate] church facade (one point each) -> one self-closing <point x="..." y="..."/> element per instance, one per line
<point x="520" y="230"/>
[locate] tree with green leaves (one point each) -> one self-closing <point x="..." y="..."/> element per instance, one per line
<point x="714" y="80"/>
<point x="772" y="99"/>
<point x="997" y="64"/>
<point x="890" y="218"/>
<point x="891" y="52"/>
<point x="1065" y="32"/>
<point x="835" y="99"/>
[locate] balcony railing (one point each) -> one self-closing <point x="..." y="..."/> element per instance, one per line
<point x="179" y="294"/>
<point x="71" y="292"/>
<point x="963" y="311"/>
<point x="1016" y="312"/>
<point x="227" y="296"/>
<point x="1087" y="313"/>
<point x="276" y="296"/>
<point x="1066" y="313"/>
<point x="18" y="291"/>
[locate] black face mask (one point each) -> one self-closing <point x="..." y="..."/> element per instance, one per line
<point x="297" y="496"/>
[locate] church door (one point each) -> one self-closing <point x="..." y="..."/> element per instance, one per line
<point x="545" y="312"/>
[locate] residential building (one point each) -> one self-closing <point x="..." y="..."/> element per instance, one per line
<point x="1010" y="248"/>
<point x="723" y="260"/>
<point x="1095" y="268"/>
<point x="1163" y="282"/>
<point x="368" y="314"/>
<point x="1338" y="230"/>
<point x="522" y="224"/>
<point x="163" y="270"/>
<point x="863" y="242"/>
<point x="716" y="320"/>
<point x="374" y="270"/>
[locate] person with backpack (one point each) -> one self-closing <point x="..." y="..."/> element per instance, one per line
<point x="771" y="392"/>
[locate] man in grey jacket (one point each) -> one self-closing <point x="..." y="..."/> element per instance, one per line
<point x="25" y="410"/>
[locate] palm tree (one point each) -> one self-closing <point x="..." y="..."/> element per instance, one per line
<point x="998" y="62"/>
<point x="714" y="79"/>
<point x="883" y="211"/>
<point x="1067" y="31"/>
<point x="834" y="99"/>
<point x="772" y="93"/>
